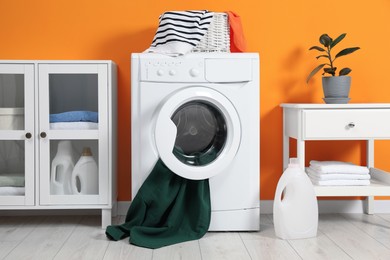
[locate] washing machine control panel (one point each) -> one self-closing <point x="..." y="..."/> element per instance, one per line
<point x="172" y="70"/>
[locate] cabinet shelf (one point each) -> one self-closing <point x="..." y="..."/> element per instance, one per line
<point x="12" y="134"/>
<point x="379" y="186"/>
<point x="74" y="134"/>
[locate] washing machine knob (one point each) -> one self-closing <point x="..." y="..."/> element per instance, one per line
<point x="172" y="72"/>
<point x="194" y="72"/>
<point x="160" y="72"/>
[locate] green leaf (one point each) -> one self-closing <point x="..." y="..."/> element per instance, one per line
<point x="325" y="40"/>
<point x="316" y="48"/>
<point x="346" y="51"/>
<point x="337" y="40"/>
<point x="316" y="69"/>
<point x="344" y="71"/>
<point x="322" y="56"/>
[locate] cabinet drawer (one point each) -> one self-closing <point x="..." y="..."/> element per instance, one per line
<point x="346" y="124"/>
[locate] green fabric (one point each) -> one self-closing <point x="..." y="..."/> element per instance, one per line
<point x="167" y="209"/>
<point x="12" y="180"/>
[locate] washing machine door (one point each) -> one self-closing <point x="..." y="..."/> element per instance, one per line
<point x="198" y="133"/>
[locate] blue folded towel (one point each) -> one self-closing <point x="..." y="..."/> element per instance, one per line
<point x="74" y="116"/>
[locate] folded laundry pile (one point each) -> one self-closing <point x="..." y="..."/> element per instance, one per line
<point x="11" y="184"/>
<point x="74" y="120"/>
<point x="336" y="173"/>
<point x="12" y="191"/>
<point x="12" y="168"/>
<point x="182" y="32"/>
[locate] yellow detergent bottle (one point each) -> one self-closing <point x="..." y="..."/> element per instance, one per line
<point x="85" y="175"/>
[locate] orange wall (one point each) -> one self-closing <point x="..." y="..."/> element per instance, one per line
<point x="281" y="31"/>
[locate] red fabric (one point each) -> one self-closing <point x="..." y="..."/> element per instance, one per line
<point x="237" y="39"/>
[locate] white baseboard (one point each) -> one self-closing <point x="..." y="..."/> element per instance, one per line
<point x="335" y="206"/>
<point x="122" y="207"/>
<point x="50" y="212"/>
<point x="324" y="206"/>
<point x="266" y="207"/>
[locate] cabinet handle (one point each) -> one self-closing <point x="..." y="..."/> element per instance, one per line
<point x="351" y="125"/>
<point x="28" y="135"/>
<point x="43" y="134"/>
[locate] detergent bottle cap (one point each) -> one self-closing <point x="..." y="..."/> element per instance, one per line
<point x="86" y="152"/>
<point x="294" y="162"/>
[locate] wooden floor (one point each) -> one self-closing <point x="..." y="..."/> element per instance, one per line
<point x="352" y="236"/>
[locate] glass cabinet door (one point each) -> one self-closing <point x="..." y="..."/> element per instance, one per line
<point x="72" y="129"/>
<point x="17" y="168"/>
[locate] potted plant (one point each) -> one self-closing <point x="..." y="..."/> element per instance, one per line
<point x="336" y="88"/>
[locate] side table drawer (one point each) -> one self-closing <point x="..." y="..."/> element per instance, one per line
<point x="346" y="123"/>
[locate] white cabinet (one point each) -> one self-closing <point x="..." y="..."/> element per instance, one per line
<point x="368" y="122"/>
<point x="44" y="105"/>
<point x="17" y="145"/>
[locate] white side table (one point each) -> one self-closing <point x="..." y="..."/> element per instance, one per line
<point x="340" y="122"/>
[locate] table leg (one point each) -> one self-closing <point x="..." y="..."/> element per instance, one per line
<point x="106" y="218"/>
<point x="286" y="151"/>
<point x="301" y="153"/>
<point x="369" y="201"/>
<point x="286" y="142"/>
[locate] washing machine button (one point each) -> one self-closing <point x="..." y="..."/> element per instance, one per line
<point x="194" y="72"/>
<point x="172" y="72"/>
<point x="160" y="72"/>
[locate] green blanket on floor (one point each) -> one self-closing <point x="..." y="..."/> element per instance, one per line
<point x="167" y="209"/>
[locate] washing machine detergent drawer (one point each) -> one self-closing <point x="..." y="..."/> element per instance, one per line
<point x="228" y="70"/>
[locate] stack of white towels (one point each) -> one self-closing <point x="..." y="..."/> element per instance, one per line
<point x="336" y="173"/>
<point x="12" y="184"/>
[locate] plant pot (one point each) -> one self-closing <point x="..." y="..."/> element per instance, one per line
<point x="336" y="89"/>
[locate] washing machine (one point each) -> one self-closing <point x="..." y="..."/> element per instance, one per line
<point x="200" y="115"/>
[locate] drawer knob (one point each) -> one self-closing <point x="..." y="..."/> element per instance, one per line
<point x="351" y="125"/>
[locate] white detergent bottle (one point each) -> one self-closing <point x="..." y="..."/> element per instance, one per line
<point x="295" y="204"/>
<point x="61" y="169"/>
<point x="85" y="175"/>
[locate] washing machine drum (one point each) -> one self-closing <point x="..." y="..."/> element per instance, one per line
<point x="197" y="133"/>
<point x="201" y="133"/>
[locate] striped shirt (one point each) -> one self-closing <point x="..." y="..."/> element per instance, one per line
<point x="180" y="31"/>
